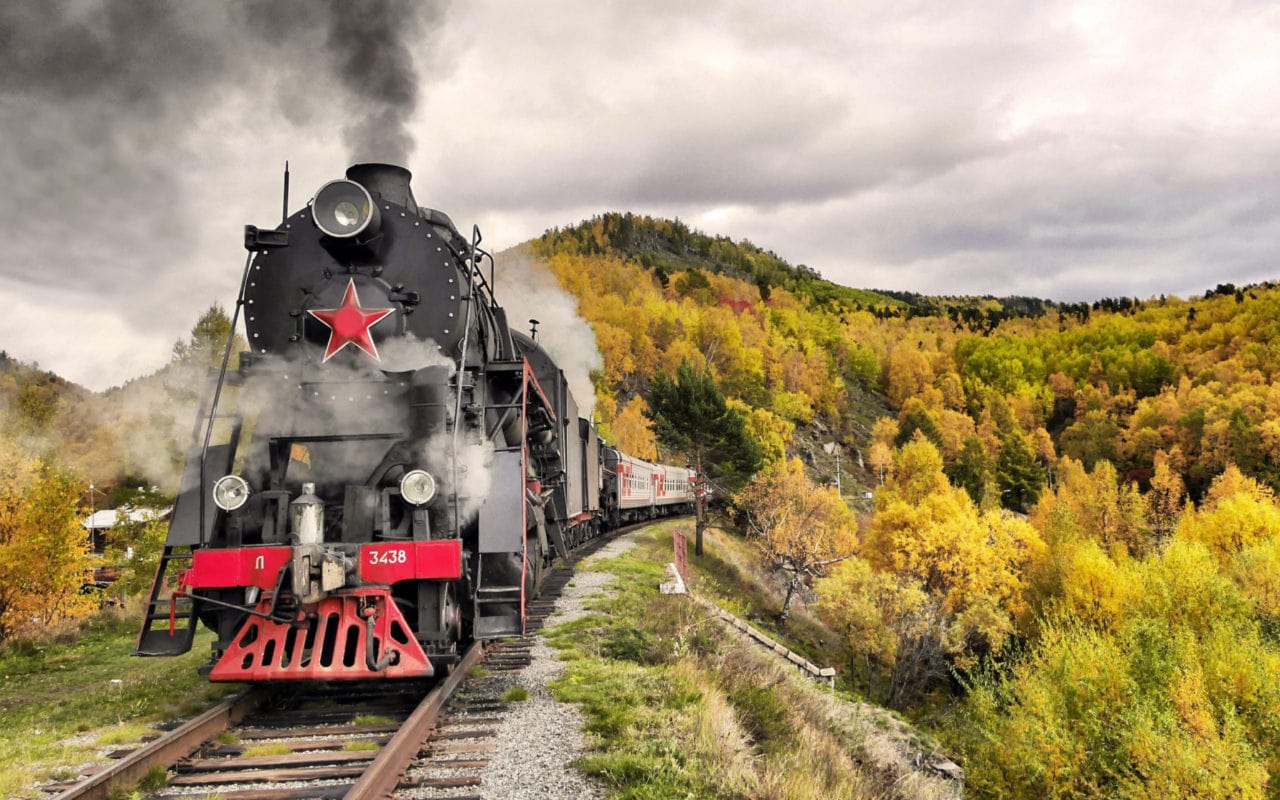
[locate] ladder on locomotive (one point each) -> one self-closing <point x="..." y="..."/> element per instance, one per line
<point x="176" y="617"/>
<point x="178" y="631"/>
<point x="501" y="597"/>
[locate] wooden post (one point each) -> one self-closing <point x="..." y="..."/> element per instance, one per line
<point x="680" y="547"/>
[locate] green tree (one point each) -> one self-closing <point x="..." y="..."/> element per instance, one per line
<point x="208" y="340"/>
<point x="692" y="419"/>
<point x="1018" y="474"/>
<point x="916" y="417"/>
<point x="135" y="548"/>
<point x="972" y="469"/>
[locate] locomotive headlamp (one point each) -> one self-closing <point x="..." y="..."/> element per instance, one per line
<point x="230" y="492"/>
<point x="344" y="209"/>
<point x="418" y="487"/>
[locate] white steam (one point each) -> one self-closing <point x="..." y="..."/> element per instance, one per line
<point x="471" y="476"/>
<point x="351" y="396"/>
<point x="528" y="290"/>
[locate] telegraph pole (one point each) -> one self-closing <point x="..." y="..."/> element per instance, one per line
<point x="699" y="509"/>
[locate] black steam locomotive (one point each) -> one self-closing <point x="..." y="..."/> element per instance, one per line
<point x="391" y="467"/>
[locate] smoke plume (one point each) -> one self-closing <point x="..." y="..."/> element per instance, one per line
<point x="364" y="59"/>
<point x="157" y="78"/>
<point x="345" y="397"/>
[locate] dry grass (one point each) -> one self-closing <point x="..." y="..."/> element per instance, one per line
<point x="800" y="754"/>
<point x="719" y="737"/>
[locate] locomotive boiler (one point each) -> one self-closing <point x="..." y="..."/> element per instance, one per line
<point x="389" y="468"/>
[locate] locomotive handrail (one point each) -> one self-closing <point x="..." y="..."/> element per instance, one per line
<point x="462" y="367"/>
<point x="217" y="392"/>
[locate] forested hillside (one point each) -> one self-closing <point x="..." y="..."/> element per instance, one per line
<point x="1118" y="636"/>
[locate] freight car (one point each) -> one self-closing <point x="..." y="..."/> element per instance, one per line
<point x="388" y="470"/>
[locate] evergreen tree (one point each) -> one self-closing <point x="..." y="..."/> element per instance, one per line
<point x="1018" y="474"/>
<point x="917" y="418"/>
<point x="208" y="339"/>
<point x="691" y="418"/>
<point x="971" y="470"/>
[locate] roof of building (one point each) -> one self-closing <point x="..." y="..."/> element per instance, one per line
<point x="108" y="517"/>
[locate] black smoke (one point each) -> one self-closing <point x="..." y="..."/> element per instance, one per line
<point x="363" y="51"/>
<point x="111" y="109"/>
<point x="158" y="60"/>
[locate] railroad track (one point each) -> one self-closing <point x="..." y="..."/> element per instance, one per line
<point x="343" y="741"/>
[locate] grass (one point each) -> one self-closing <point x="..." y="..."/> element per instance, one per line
<point x="124" y="733"/>
<point x="516" y="694"/>
<point x="361" y="746"/>
<point x="372" y="719"/>
<point x="154" y="780"/>
<point x="269" y="749"/>
<point x="63" y="696"/>
<point x="678" y="708"/>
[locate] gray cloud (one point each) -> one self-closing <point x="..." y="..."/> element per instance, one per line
<point x="1054" y="149"/>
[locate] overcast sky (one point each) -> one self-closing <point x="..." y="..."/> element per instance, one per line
<point x="1063" y="150"/>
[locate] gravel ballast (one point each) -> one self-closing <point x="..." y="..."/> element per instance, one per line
<point x="539" y="739"/>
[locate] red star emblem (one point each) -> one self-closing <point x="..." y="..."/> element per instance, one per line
<point x="350" y="323"/>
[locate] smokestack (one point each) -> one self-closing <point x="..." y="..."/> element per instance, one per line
<point x="387" y="180"/>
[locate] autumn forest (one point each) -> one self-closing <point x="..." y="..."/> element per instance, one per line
<point x="1070" y="568"/>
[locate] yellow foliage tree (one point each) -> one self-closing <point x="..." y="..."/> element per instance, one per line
<point x="972" y="562"/>
<point x="801" y="527"/>
<point x="1165" y="498"/>
<point x="909" y="374"/>
<point x="1237" y="514"/>
<point x="1256" y="570"/>
<point x="771" y="431"/>
<point x="633" y="432"/>
<point x="881" y="459"/>
<point x="1103" y="509"/>
<point x="44" y="552"/>
<point x="890" y="620"/>
<point x="1095" y="589"/>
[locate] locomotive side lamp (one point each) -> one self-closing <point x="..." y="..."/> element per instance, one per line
<point x="344" y="209"/>
<point x="230" y="492"/>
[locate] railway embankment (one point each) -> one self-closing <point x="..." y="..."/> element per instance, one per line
<point x="677" y="703"/>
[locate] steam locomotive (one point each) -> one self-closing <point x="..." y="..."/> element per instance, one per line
<point x="388" y="471"/>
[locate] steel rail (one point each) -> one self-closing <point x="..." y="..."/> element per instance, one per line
<point x="383" y="775"/>
<point x="170" y="748"/>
